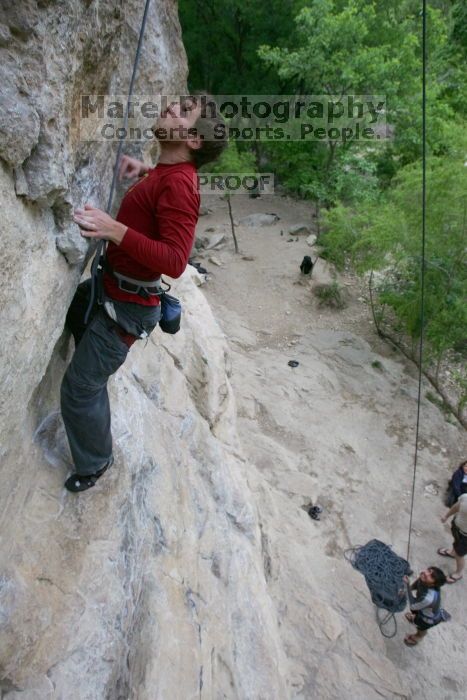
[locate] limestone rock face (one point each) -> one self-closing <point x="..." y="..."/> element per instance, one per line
<point x="152" y="584"/>
<point x="50" y="54"/>
<point x="189" y="570"/>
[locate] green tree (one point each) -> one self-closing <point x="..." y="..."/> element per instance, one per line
<point x="221" y="40"/>
<point x="385" y="235"/>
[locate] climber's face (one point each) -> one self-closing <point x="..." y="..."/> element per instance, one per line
<point x="177" y="121"/>
<point x="427" y="577"/>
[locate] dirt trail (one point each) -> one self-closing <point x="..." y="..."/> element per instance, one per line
<point x="337" y="430"/>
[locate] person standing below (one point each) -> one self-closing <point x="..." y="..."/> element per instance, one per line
<point x="425" y="605"/>
<point x="457" y="484"/>
<point x="152" y="235"/>
<point x="459" y="533"/>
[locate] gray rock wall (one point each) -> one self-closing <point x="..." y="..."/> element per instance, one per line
<point x="183" y="574"/>
<point x="51" y="53"/>
<point x="190" y="570"/>
<point x="151" y="587"/>
<point x="152" y="584"/>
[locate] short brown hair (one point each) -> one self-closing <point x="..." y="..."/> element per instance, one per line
<point x="212" y="129"/>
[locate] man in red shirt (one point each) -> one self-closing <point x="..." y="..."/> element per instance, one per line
<point x="152" y="235"/>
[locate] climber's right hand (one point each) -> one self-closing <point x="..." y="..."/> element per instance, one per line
<point x="130" y="167"/>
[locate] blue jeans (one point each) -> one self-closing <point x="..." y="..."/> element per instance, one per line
<point x="99" y="352"/>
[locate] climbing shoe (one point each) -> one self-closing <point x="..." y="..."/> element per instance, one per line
<point x="82" y="482"/>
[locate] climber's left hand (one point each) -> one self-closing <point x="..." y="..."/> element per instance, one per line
<point x="95" y="223"/>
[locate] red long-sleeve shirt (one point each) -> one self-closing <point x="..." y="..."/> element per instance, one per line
<point x="161" y="211"/>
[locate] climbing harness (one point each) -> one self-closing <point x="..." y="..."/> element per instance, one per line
<point x="171" y="309"/>
<point x="382" y="568"/>
<point x="144" y="288"/>
<point x="439" y="613"/>
<point x="99" y="256"/>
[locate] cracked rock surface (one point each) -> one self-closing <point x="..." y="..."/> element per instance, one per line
<point x="151" y="586"/>
<point x="338" y="431"/>
<point x="192" y="570"/>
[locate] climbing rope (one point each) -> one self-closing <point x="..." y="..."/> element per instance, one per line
<point x="101" y="245"/>
<point x="422" y="271"/>
<point x="383" y="569"/>
<point x="384" y="572"/>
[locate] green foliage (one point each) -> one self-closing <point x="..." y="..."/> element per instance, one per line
<point x="330" y="295"/>
<point x="354" y="177"/>
<point x="372" y="190"/>
<point x="361" y="47"/>
<point x="337" y="47"/>
<point x="459" y="27"/>
<point x="386" y="235"/>
<point x="233" y="159"/>
<point x="299" y="167"/>
<point x="460" y="377"/>
<point x="437" y="401"/>
<point x="340" y="49"/>
<point x="221" y="40"/>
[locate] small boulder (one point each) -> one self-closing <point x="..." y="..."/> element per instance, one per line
<point x="300" y="230"/>
<point x="208" y="241"/>
<point x="215" y="240"/>
<point x="259" y="220"/>
<point x="311" y="240"/>
<point x="431" y="489"/>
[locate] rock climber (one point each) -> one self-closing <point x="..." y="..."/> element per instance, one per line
<point x="151" y="235"/>
<point x="425" y="605"/>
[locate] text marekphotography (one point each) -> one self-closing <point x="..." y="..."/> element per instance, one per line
<point x="243" y="117"/>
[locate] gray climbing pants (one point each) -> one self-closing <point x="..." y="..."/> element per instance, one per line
<point x="100" y="350"/>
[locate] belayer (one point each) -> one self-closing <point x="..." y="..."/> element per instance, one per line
<point x="425" y="603"/>
<point x="151" y="235"/>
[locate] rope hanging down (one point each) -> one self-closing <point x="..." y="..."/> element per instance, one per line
<point x="422" y="271"/>
<point x="101" y="246"/>
<point x="382" y="568"/>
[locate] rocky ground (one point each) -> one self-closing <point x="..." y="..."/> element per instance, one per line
<point x="337" y="430"/>
<point x="192" y="570"/>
